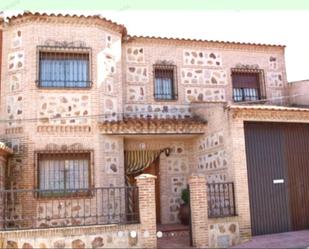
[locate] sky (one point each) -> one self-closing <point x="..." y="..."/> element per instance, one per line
<point x="272" y="27"/>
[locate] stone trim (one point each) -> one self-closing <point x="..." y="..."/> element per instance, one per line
<point x="64" y="129"/>
<point x="14" y="130"/>
<point x="66" y="231"/>
<point x="153" y="126"/>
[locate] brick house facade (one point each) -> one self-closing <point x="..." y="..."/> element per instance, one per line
<point x="135" y="93"/>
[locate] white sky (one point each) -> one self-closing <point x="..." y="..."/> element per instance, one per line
<point x="275" y="27"/>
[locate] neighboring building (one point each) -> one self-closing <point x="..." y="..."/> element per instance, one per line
<point x="86" y="108"/>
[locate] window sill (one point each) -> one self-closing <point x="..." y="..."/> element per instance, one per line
<point x="64" y="196"/>
<point x="64" y="87"/>
<point x="165" y="100"/>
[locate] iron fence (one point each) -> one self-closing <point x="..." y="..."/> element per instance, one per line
<point x="29" y="209"/>
<point x="221" y="199"/>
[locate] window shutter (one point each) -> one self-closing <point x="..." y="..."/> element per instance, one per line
<point x="245" y="80"/>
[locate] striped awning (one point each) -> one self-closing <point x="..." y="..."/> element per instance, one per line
<point x="137" y="161"/>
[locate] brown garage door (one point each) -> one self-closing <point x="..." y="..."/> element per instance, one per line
<point x="278" y="173"/>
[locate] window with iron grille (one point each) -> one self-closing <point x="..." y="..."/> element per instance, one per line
<point x="246" y="86"/>
<point x="165" y="87"/>
<point x="64" y="68"/>
<point x="63" y="174"/>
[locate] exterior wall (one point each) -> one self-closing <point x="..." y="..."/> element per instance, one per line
<point x="122" y="76"/>
<point x="74" y="109"/>
<point x="298" y="91"/>
<point x="84" y="237"/>
<point x="203" y="71"/>
<point x="110" y="236"/>
<point x="174" y="170"/>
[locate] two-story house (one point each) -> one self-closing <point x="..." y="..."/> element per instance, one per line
<point x="87" y="108"/>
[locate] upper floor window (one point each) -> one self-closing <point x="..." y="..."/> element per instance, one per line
<point x="64" y="69"/>
<point x="247" y="85"/>
<point x="165" y="82"/>
<point x="63" y="174"/>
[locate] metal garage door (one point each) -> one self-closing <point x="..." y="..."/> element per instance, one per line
<point x="278" y="173"/>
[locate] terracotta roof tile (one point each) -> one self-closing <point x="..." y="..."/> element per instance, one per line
<point x="122" y="29"/>
<point x="5" y="149"/>
<point x="267" y="107"/>
<point x="119" y="27"/>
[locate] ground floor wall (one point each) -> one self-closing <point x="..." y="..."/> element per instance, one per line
<point x="112" y="236"/>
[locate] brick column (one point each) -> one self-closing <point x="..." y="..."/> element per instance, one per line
<point x="2" y="185"/>
<point x="199" y="210"/>
<point x="147" y="209"/>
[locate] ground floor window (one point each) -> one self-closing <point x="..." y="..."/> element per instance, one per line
<point x="61" y="174"/>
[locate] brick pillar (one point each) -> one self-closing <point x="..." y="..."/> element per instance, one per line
<point x="2" y="187"/>
<point x="147" y="209"/>
<point x="199" y="210"/>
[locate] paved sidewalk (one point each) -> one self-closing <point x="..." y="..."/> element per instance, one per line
<point x="296" y="239"/>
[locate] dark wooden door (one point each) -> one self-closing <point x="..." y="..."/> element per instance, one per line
<point x="296" y="140"/>
<point x="154" y="169"/>
<point x="268" y="200"/>
<point x="278" y="173"/>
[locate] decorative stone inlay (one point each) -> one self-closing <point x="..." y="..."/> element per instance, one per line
<point x="78" y="244"/>
<point x="109" y="40"/>
<point x="133" y="241"/>
<point x="136" y="93"/>
<point x="16" y="60"/>
<point x="178" y="183"/>
<point x="211" y="141"/>
<point x="201" y="58"/>
<point x="109" y="84"/>
<point x="97" y="242"/>
<point x="177" y="149"/>
<point x="177" y="165"/>
<point x="111" y="146"/>
<point x="109" y="65"/>
<point x="14" y="109"/>
<point x="135" y="54"/>
<point x="137" y="74"/>
<point x="14" y="82"/>
<point x="203" y="76"/>
<point x="111" y="164"/>
<point x="273" y="63"/>
<point x="275" y="79"/>
<point x="157" y="111"/>
<point x="193" y="94"/>
<point x="216" y="177"/>
<point x="59" y="244"/>
<point x="68" y="109"/>
<point x="11" y="244"/>
<point x="223" y="235"/>
<point x="16" y="39"/>
<point x="110" y="108"/>
<point x="27" y="246"/>
<point x="214" y="160"/>
<point x="174" y="204"/>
